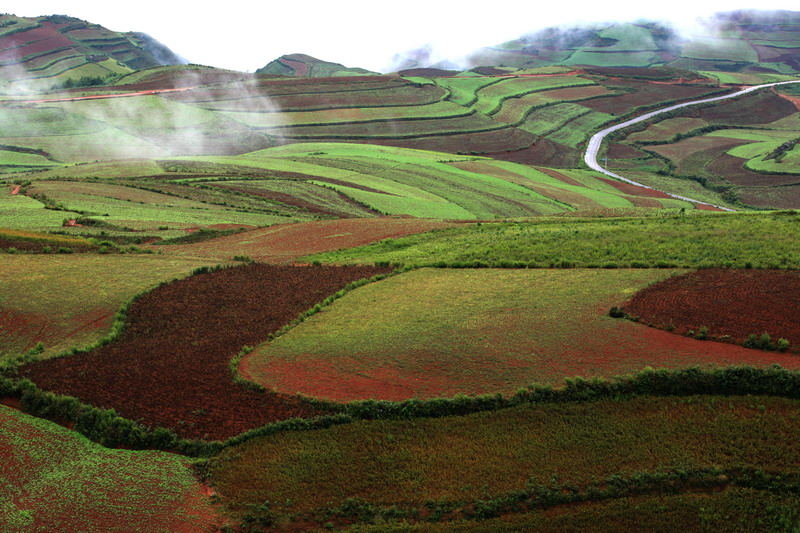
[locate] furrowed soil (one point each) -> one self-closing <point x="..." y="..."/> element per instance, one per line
<point x="169" y="367"/>
<point x="286" y="242"/>
<point x="736" y="303"/>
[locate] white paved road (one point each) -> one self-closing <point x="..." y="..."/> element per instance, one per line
<point x="597" y="139"/>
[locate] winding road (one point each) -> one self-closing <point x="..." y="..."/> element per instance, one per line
<point x="597" y="139"/>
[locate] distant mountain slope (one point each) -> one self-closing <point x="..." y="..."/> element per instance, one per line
<point x="50" y="50"/>
<point x="737" y="41"/>
<point x="305" y="66"/>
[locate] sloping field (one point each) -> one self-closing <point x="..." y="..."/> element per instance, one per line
<point x="53" y="479"/>
<point x="23" y="213"/>
<point x="725" y="302"/>
<point x="457" y="460"/>
<point x="286" y="242"/>
<point x="147" y="211"/>
<point x="403" y="182"/>
<point x="169" y="367"/>
<point x="491" y="97"/>
<point x="444" y="332"/>
<point x="30" y="241"/>
<point x="43" y="298"/>
<point x="646" y="94"/>
<point x="701" y="240"/>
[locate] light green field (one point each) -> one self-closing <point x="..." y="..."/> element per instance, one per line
<point x="43" y="298"/>
<point x="490" y="98"/>
<point x="144" y="210"/>
<point x="629" y="37"/>
<point x="21" y="212"/>
<point x="719" y="49"/>
<point x="612" y="59"/>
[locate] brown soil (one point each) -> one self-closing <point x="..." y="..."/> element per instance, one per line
<point x="736" y="303"/>
<point x="169" y="367"/>
<point x="285" y="243"/>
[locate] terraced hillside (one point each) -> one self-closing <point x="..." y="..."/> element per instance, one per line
<point x="732" y="42"/>
<point x="59" y="50"/>
<point x="743" y="149"/>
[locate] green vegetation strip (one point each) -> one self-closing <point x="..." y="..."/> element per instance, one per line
<point x="737" y="240"/>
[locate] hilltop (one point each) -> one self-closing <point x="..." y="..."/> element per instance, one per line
<point x="55" y="50"/>
<point x="303" y="65"/>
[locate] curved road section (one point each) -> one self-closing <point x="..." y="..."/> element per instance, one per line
<point x="597" y="139"/>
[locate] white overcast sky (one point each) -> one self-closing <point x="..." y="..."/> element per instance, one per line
<point x="246" y="35"/>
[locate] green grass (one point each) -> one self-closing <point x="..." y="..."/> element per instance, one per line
<point x="43" y="298"/>
<point x="482" y="456"/>
<point x="720" y="49"/>
<point x="21" y="212"/>
<point x="55" y="479"/>
<point x="629" y="37"/>
<point x="737" y="239"/>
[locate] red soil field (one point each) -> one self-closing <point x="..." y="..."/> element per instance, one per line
<point x="795" y="100"/>
<point x="56" y="41"/>
<point x="169" y="367"/>
<point x="284" y="243"/>
<point x="543" y="152"/>
<point x="493" y="143"/>
<point x="646" y="94"/>
<point x="758" y="108"/>
<point x="299" y="68"/>
<point x="704" y="207"/>
<point x="732" y="169"/>
<point x="736" y="303"/>
<point x="45" y="31"/>
<point x="559" y="176"/>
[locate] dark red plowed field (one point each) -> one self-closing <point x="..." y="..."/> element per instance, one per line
<point x="728" y="302"/>
<point x="170" y="366"/>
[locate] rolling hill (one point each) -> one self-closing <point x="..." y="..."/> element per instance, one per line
<point x="45" y="51"/>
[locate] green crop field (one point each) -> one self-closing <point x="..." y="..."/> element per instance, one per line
<point x="43" y="298"/>
<point x="491" y="97"/>
<point x="735" y="240"/>
<point x="457" y="460"/>
<point x="52" y="479"/>
<point x="442" y="332"/>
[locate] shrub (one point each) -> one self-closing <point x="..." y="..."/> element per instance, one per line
<point x="616" y="312"/>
